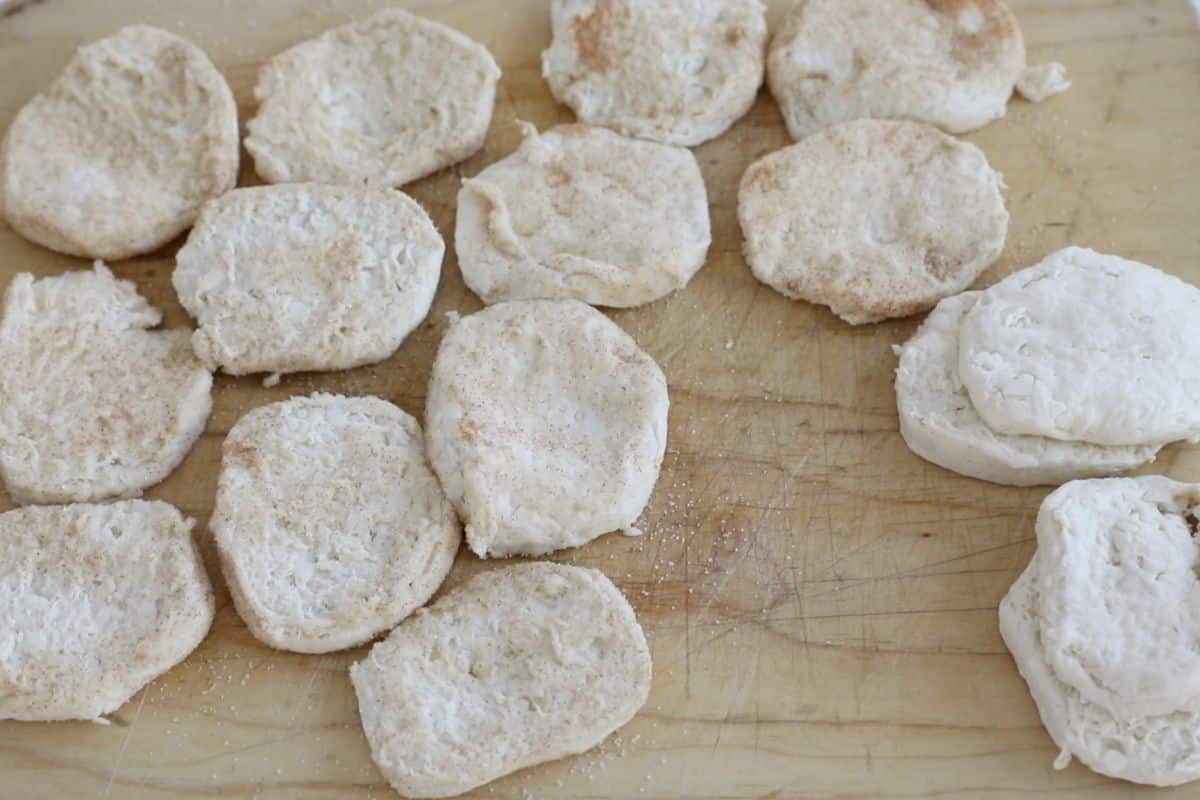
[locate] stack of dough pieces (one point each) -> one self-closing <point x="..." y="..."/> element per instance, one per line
<point x="1081" y="366"/>
<point x="1103" y="625"/>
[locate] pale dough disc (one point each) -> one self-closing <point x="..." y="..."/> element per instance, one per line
<point x="951" y="63"/>
<point x="1120" y="597"/>
<point x="383" y="101"/>
<point x="940" y="425"/>
<point x="586" y="214"/>
<point x="93" y="406"/>
<point x="518" y="666"/>
<point x="872" y="218"/>
<point x="116" y="157"/>
<point x="307" y="277"/>
<point x="97" y="601"/>
<point x="546" y="424"/>
<point x="1086" y="347"/>
<point x="674" y="71"/>
<point x="330" y="525"/>
<point x="1162" y="750"/>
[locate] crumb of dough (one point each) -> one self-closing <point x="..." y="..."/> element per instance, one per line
<point x="1043" y="81"/>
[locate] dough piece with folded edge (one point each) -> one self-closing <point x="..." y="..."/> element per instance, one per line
<point x="583" y="213"/>
<point x="518" y="666"/>
<point x="872" y="218"/>
<point x="673" y="71"/>
<point x="93" y="405"/>
<point x="1086" y="347"/>
<point x="1161" y="750"/>
<point x="1120" y="597"/>
<point x="546" y="424"/>
<point x="330" y="525"/>
<point x="116" y="157"/>
<point x="382" y="101"/>
<point x="302" y="277"/>
<point x="940" y="425"/>
<point x="98" y="600"/>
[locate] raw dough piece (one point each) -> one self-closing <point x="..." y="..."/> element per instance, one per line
<point x="586" y="214"/>
<point x="330" y="525"/>
<point x="93" y="406"/>
<point x="307" y="277"/>
<point x="940" y="425"/>
<point x="518" y="666"/>
<point x="382" y="101"/>
<point x="1120" y="598"/>
<point x="546" y="424"/>
<point x="1160" y="750"/>
<point x="872" y="218"/>
<point x="673" y="71"/>
<point x="97" y="601"/>
<point x="951" y="63"/>
<point x="116" y="157"/>
<point x="1086" y="347"/>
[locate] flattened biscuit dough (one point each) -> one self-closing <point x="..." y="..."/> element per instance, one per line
<point x="518" y="666"/>
<point x="546" y="424"/>
<point x="673" y="71"/>
<point x="382" y="101"/>
<point x="583" y="213"/>
<point x="872" y="218"/>
<point x="940" y="425"/>
<point x="118" y="154"/>
<point x="93" y="405"/>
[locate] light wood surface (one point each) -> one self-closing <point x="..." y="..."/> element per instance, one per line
<point x="821" y="604"/>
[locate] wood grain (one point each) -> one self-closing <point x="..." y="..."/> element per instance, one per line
<point x="821" y="604"/>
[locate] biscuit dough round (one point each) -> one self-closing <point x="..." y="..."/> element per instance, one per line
<point x="546" y="424"/>
<point x="307" y="277"/>
<point x="518" y="666"/>
<point x="93" y="406"/>
<point x="330" y="525"/>
<point x="583" y="213"/>
<point x="118" y="154"/>
<point x="1120" y="597"/>
<point x="951" y="63"/>
<point x="382" y="101"/>
<point x="940" y="425"/>
<point x="97" y="600"/>
<point x="1086" y="347"/>
<point x="872" y="218"/>
<point x="674" y="71"/>
<point x="1161" y="750"/>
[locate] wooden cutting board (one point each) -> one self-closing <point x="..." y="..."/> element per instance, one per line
<point x="821" y="604"/>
